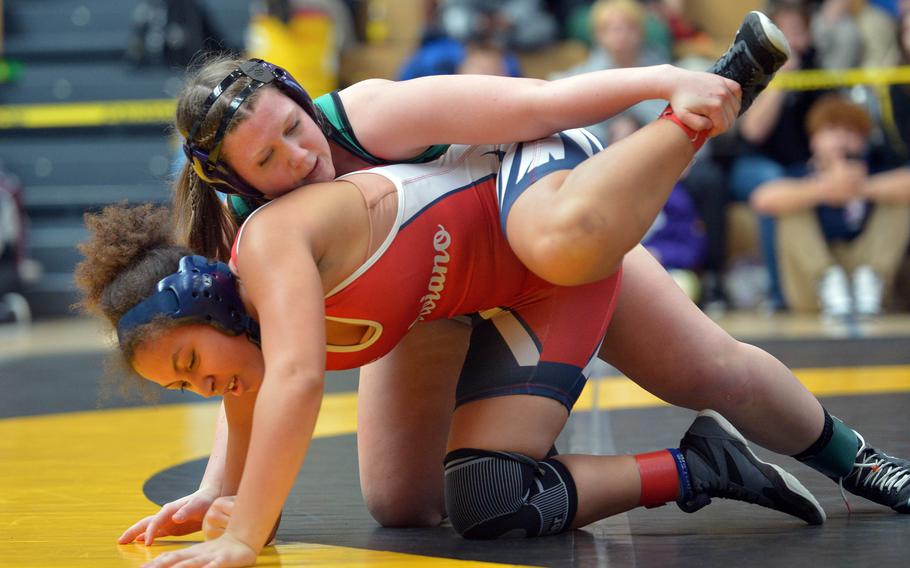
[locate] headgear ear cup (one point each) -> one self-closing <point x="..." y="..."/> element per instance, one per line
<point x="207" y="164"/>
<point x="200" y="291"/>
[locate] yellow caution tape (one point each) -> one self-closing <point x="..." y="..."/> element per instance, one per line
<point x="814" y="79"/>
<point x="161" y="111"/>
<point x="96" y="113"/>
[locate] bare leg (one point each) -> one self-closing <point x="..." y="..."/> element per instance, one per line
<point x="573" y="227"/>
<point x="405" y="404"/>
<point x="663" y="342"/>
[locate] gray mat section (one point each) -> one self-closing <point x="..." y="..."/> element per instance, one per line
<point x="50" y="384"/>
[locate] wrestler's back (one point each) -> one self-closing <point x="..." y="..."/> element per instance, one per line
<point x="444" y="256"/>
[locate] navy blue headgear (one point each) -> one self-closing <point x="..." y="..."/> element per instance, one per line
<point x="200" y="291"/>
<point x="206" y="163"/>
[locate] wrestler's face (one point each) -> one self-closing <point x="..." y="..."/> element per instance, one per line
<point x="201" y="359"/>
<point x="278" y="147"/>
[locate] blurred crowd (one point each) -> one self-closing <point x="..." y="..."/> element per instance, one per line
<point x="816" y="182"/>
<point x="823" y="174"/>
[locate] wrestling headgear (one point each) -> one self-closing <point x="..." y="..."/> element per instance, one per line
<point x="199" y="292"/>
<point x="206" y="163"/>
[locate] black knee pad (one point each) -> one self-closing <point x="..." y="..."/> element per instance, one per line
<point x="490" y="494"/>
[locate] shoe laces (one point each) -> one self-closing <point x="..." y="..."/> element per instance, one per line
<point x="875" y="470"/>
<point x="739" y="64"/>
<point x="717" y="487"/>
<point x="881" y="472"/>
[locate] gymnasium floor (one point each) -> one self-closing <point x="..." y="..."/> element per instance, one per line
<point x="73" y="475"/>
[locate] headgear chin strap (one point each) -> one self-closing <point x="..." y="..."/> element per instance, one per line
<point x="206" y="163"/>
<point x="199" y="292"/>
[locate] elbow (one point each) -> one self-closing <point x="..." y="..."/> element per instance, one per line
<point x="296" y="380"/>
<point x="761" y="204"/>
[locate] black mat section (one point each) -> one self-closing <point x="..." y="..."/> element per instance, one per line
<point x="723" y="534"/>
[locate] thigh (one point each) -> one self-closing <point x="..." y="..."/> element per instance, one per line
<point x="528" y="185"/>
<point x="405" y="404"/>
<point x="527" y="365"/>
<point x="660" y="339"/>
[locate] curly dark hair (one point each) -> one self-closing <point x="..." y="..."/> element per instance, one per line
<point x="129" y="250"/>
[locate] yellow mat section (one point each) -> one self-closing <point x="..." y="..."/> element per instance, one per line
<point x="71" y="483"/>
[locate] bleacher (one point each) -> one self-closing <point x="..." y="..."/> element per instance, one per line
<point x="73" y="51"/>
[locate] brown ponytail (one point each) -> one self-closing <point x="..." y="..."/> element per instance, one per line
<point x="202" y="222"/>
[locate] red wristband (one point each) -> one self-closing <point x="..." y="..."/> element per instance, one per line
<point x="698" y="138"/>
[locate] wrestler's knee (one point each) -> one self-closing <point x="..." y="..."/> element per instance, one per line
<point x="403" y="508"/>
<point x="492" y="494"/>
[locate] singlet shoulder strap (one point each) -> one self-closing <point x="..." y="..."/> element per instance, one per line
<point x="235" y="248"/>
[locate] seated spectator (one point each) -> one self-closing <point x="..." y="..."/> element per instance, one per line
<point x="440" y="55"/>
<point x="506" y="24"/>
<point x="677" y="240"/>
<point x="617" y="27"/>
<point x="13" y="306"/>
<point x="855" y="33"/>
<point x="687" y="39"/>
<point x="678" y="237"/>
<point x="775" y="141"/>
<point x="836" y="34"/>
<point x="479" y="50"/>
<point x="842" y="228"/>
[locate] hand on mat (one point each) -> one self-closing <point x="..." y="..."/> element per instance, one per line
<point x="216" y="520"/>
<point x="223" y="552"/>
<point x="180" y="517"/>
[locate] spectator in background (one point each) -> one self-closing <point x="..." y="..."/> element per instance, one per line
<point x="895" y="111"/>
<point x="775" y="142"/>
<point x="842" y="228"/>
<point x="836" y="34"/>
<point x="13" y="306"/>
<point x="481" y="51"/>
<point x="171" y="32"/>
<point x="677" y="238"/>
<point x="507" y="24"/>
<point x="855" y="33"/>
<point x="617" y="27"/>
<point x="686" y="38"/>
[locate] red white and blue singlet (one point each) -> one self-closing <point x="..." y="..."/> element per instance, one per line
<point x="447" y="255"/>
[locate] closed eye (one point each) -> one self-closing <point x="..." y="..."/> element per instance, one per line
<point x="292" y="128"/>
<point x="265" y="160"/>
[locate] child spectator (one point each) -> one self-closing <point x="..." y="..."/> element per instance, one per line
<point x="842" y="228"/>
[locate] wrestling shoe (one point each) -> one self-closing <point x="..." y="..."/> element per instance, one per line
<point x="757" y="52"/>
<point x="879" y="477"/>
<point x="722" y="465"/>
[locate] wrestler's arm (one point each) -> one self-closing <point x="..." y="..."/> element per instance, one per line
<point x="185" y="515"/>
<point x="395" y="120"/>
<point x="291" y="314"/>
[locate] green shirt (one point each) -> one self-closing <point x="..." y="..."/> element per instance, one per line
<point x="338" y="130"/>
